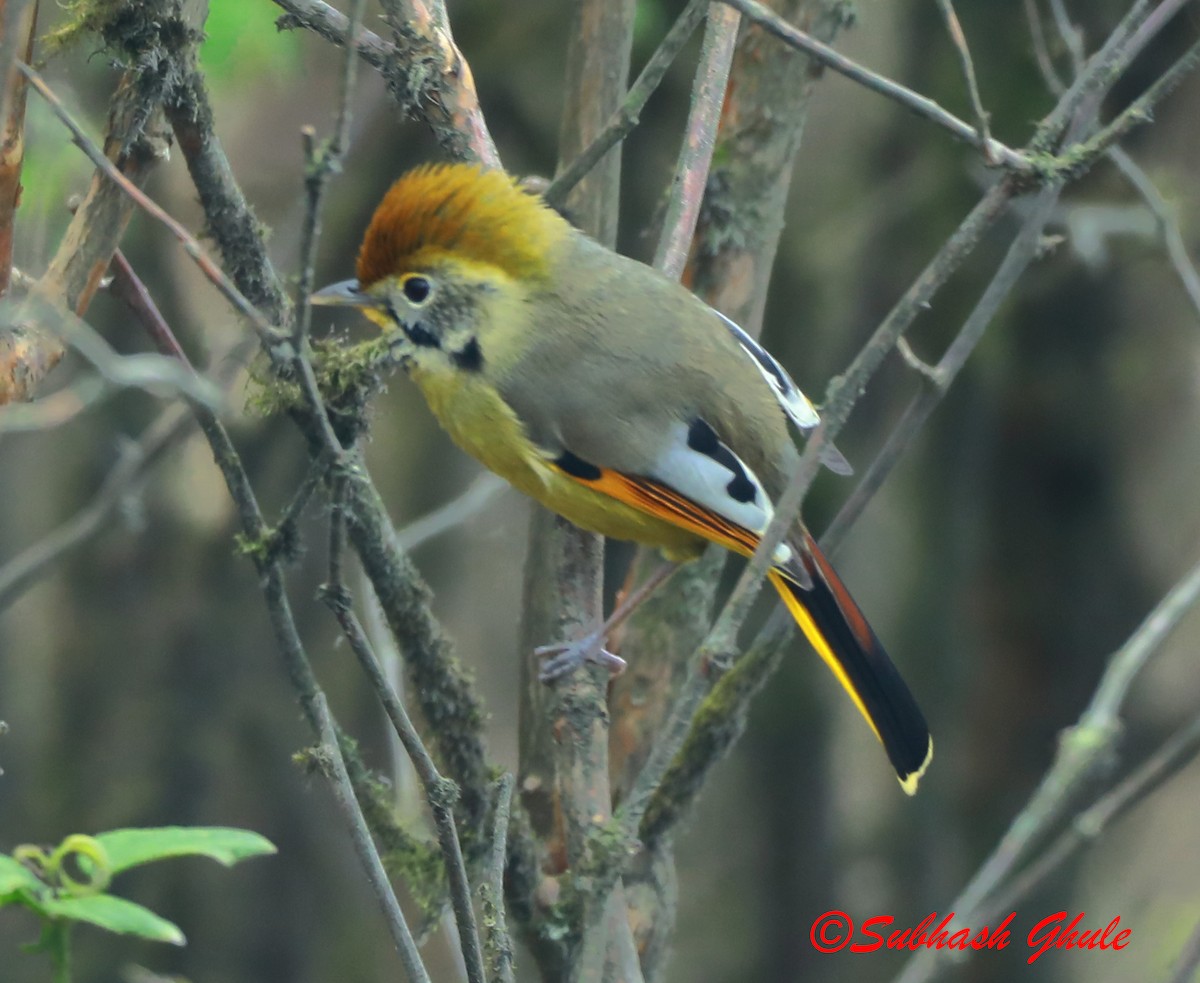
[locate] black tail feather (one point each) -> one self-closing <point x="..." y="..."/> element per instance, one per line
<point x="836" y="628"/>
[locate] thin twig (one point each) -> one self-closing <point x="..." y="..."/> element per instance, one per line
<point x="1137" y="113"/>
<point x="1083" y="97"/>
<point x="622" y="122"/>
<point x="320" y="166"/>
<point x="708" y="664"/>
<point x="1071" y="35"/>
<point x="475" y="499"/>
<point x="440" y="792"/>
<point x="154" y="373"/>
<point x="1188" y="961"/>
<point x="564" y="740"/>
<point x="284" y="537"/>
<point x="1013" y="160"/>
<point x="442" y="689"/>
<point x="57" y="409"/>
<point x="128" y="287"/>
<point x="959" y="40"/>
<point x="230" y="222"/>
<point x="20" y="24"/>
<point x="425" y="72"/>
<point x="364" y="846"/>
<point x="1021" y="253"/>
<point x="269" y="336"/>
<point x="1041" y="52"/>
<point x="1168" y="222"/>
<point x="334" y="26"/>
<point x="74" y="273"/>
<point x="134" y="461"/>
<point x="699" y="136"/>
<point x="287" y="636"/>
<point x="1085" y="828"/>
<point x="1167" y="219"/>
<point x="1083" y="750"/>
<point x="498" y="942"/>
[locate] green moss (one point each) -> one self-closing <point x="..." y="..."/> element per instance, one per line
<point x="421" y="866"/>
<point x="347" y="376"/>
<point x="404" y="854"/>
<point x="127" y="29"/>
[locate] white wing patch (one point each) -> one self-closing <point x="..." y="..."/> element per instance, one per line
<point x="795" y="404"/>
<point x="700" y="467"/>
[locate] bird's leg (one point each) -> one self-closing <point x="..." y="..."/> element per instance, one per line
<point x="563" y="658"/>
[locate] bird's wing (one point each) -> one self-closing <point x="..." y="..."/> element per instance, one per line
<point x="699" y="484"/>
<point x="795" y="404"/>
<point x="696" y="482"/>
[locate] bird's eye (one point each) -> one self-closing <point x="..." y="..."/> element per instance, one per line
<point x="416" y="289"/>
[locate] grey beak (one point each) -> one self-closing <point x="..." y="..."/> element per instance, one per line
<point x="344" y="293"/>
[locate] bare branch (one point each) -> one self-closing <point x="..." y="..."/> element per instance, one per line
<point x="564" y="729"/>
<point x="478" y="496"/>
<point x="1175" y="753"/>
<point x="498" y="942"/>
<point x="968" y="68"/>
<point x="441" y="688"/>
<point x="153" y="373"/>
<point x="1011" y="159"/>
<point x="622" y="122"/>
<point x="1041" y="51"/>
<point x="1071" y="35"/>
<point x="230" y="221"/>
<point x="1168" y="223"/>
<point x="321" y="165"/>
<point x="1021" y="253"/>
<point x="440" y="793"/>
<point x="28" y="354"/>
<point x="134" y="461"/>
<point x="1188" y="962"/>
<point x="1138" y="113"/>
<point x="1083" y="750"/>
<point x="699" y="137"/>
<point x="360" y="836"/>
<point x="441" y="92"/>
<point x="269" y="336"/>
<point x="22" y="17"/>
<point x="334" y="26"/>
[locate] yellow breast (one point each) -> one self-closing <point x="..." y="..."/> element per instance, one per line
<point x="483" y="425"/>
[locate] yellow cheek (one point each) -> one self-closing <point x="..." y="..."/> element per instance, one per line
<point x="380" y="319"/>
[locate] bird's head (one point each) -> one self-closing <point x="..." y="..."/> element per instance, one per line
<point x="446" y="240"/>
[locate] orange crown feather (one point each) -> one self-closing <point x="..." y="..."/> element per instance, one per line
<point x="459" y="210"/>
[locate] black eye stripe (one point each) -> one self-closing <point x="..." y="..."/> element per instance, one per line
<point x="420" y="336"/>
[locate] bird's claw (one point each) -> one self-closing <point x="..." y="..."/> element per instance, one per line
<point x="563" y="658"/>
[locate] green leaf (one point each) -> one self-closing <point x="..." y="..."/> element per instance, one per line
<point x="115" y="915"/>
<point x="16" y="878"/>
<point x="130" y="847"/>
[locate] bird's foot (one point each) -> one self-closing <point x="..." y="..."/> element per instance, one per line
<point x="563" y="658"/>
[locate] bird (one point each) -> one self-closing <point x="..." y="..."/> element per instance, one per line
<point x="613" y="396"/>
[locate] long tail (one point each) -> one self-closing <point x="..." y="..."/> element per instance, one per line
<point x="836" y="628"/>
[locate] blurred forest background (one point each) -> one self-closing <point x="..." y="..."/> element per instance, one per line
<point x="1048" y="505"/>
